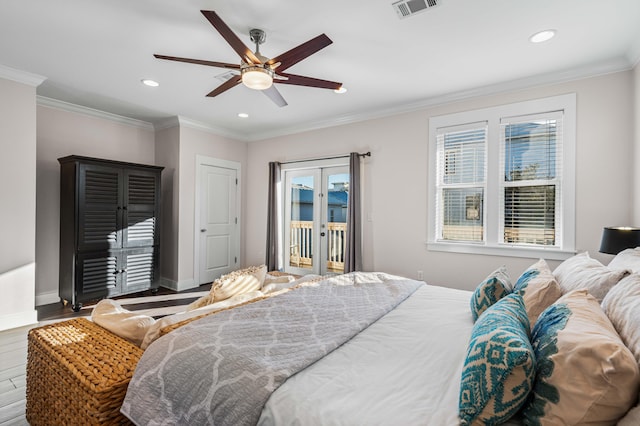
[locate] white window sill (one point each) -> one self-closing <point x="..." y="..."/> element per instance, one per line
<point x="501" y="250"/>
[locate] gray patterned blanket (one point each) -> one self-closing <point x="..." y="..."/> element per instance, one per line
<point x="221" y="370"/>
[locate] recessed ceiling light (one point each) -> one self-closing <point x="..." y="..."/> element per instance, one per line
<point x="243" y="115"/>
<point x="542" y="36"/>
<point x="150" y="83"/>
<point x="341" y="90"/>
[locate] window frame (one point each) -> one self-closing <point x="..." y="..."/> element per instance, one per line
<point x="493" y="209"/>
<point x="441" y="164"/>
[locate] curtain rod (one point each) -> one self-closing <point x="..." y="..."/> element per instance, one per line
<point x="364" y="154"/>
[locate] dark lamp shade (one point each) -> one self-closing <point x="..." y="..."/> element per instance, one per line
<point x="616" y="239"/>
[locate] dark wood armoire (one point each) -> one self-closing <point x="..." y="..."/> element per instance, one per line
<point x="109" y="228"/>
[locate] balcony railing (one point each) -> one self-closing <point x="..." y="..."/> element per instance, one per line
<point x="538" y="236"/>
<point x="301" y="247"/>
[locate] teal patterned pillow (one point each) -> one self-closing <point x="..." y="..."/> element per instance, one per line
<point x="493" y="288"/>
<point x="499" y="368"/>
<point x="544" y="338"/>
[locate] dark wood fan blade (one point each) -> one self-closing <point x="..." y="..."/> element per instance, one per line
<point x="199" y="62"/>
<point x="295" y="55"/>
<point x="241" y="49"/>
<point x="300" y="80"/>
<point x="233" y="81"/>
<point x="273" y="94"/>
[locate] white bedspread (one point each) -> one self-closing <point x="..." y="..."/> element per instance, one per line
<point x="403" y="370"/>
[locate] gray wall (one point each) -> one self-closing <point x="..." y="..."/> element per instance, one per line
<point x="18" y="201"/>
<point x="396" y="179"/>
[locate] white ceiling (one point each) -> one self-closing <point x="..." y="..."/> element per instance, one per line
<point x="95" y="53"/>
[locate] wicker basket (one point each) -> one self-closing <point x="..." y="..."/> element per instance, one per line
<point x="77" y="374"/>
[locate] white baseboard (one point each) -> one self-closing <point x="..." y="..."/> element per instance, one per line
<point x="177" y="285"/>
<point x="18" y="319"/>
<point x="47" y="298"/>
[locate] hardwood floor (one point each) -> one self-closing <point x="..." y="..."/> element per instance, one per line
<point x="13" y="358"/>
<point x="13" y="343"/>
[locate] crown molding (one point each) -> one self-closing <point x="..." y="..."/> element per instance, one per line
<point x="91" y="112"/>
<point x="21" y="76"/>
<point x="166" y="124"/>
<point x="634" y="55"/>
<point x="197" y="125"/>
<point x="589" y="71"/>
<point x="592" y="70"/>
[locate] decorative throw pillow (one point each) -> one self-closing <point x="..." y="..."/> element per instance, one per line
<point x="585" y="374"/>
<point x="622" y="306"/>
<point x="627" y="259"/>
<point x="581" y="271"/>
<point x="235" y="283"/>
<point x="129" y="325"/>
<point x="539" y="289"/>
<point x="499" y="369"/>
<point x="493" y="288"/>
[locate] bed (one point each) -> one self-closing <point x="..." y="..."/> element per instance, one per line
<point x="430" y="327"/>
<point x="387" y="350"/>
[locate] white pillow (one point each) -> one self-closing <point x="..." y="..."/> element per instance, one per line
<point x="126" y="324"/>
<point x="581" y="271"/>
<point x="632" y="418"/>
<point x="622" y="306"/>
<point x="627" y="259"/>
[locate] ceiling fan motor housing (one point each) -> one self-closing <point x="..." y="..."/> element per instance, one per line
<point x="257" y="36"/>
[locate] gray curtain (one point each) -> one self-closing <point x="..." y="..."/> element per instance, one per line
<point x="353" y="249"/>
<point x="273" y="255"/>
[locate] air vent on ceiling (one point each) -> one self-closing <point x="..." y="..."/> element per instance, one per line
<point x="406" y="8"/>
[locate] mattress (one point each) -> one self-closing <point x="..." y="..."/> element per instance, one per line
<point x="403" y="369"/>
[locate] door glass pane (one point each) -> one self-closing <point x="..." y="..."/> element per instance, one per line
<point x="301" y="222"/>
<point x="338" y="194"/>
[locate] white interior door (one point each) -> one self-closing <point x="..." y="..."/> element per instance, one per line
<point x="218" y="222"/>
<point x="315" y="216"/>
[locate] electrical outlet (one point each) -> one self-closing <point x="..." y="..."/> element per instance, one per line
<point x="420" y="275"/>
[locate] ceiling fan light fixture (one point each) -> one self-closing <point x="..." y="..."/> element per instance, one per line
<point x="257" y="78"/>
<point x="341" y="90"/>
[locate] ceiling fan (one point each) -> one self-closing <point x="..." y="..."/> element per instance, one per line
<point x="259" y="72"/>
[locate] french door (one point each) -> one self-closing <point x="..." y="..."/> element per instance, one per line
<point x="315" y="220"/>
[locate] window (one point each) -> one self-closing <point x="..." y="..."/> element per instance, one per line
<point x="462" y="177"/>
<point x="502" y="180"/>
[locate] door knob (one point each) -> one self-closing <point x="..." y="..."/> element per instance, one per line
<point x="203" y="230"/>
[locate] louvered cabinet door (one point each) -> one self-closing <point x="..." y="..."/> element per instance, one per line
<point x="140" y="214"/>
<point x="98" y="275"/>
<point x="140" y="269"/>
<point x="99" y="207"/>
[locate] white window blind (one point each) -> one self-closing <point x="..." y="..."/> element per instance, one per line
<point x="502" y="180"/>
<point x="531" y="179"/>
<point x="461" y="179"/>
